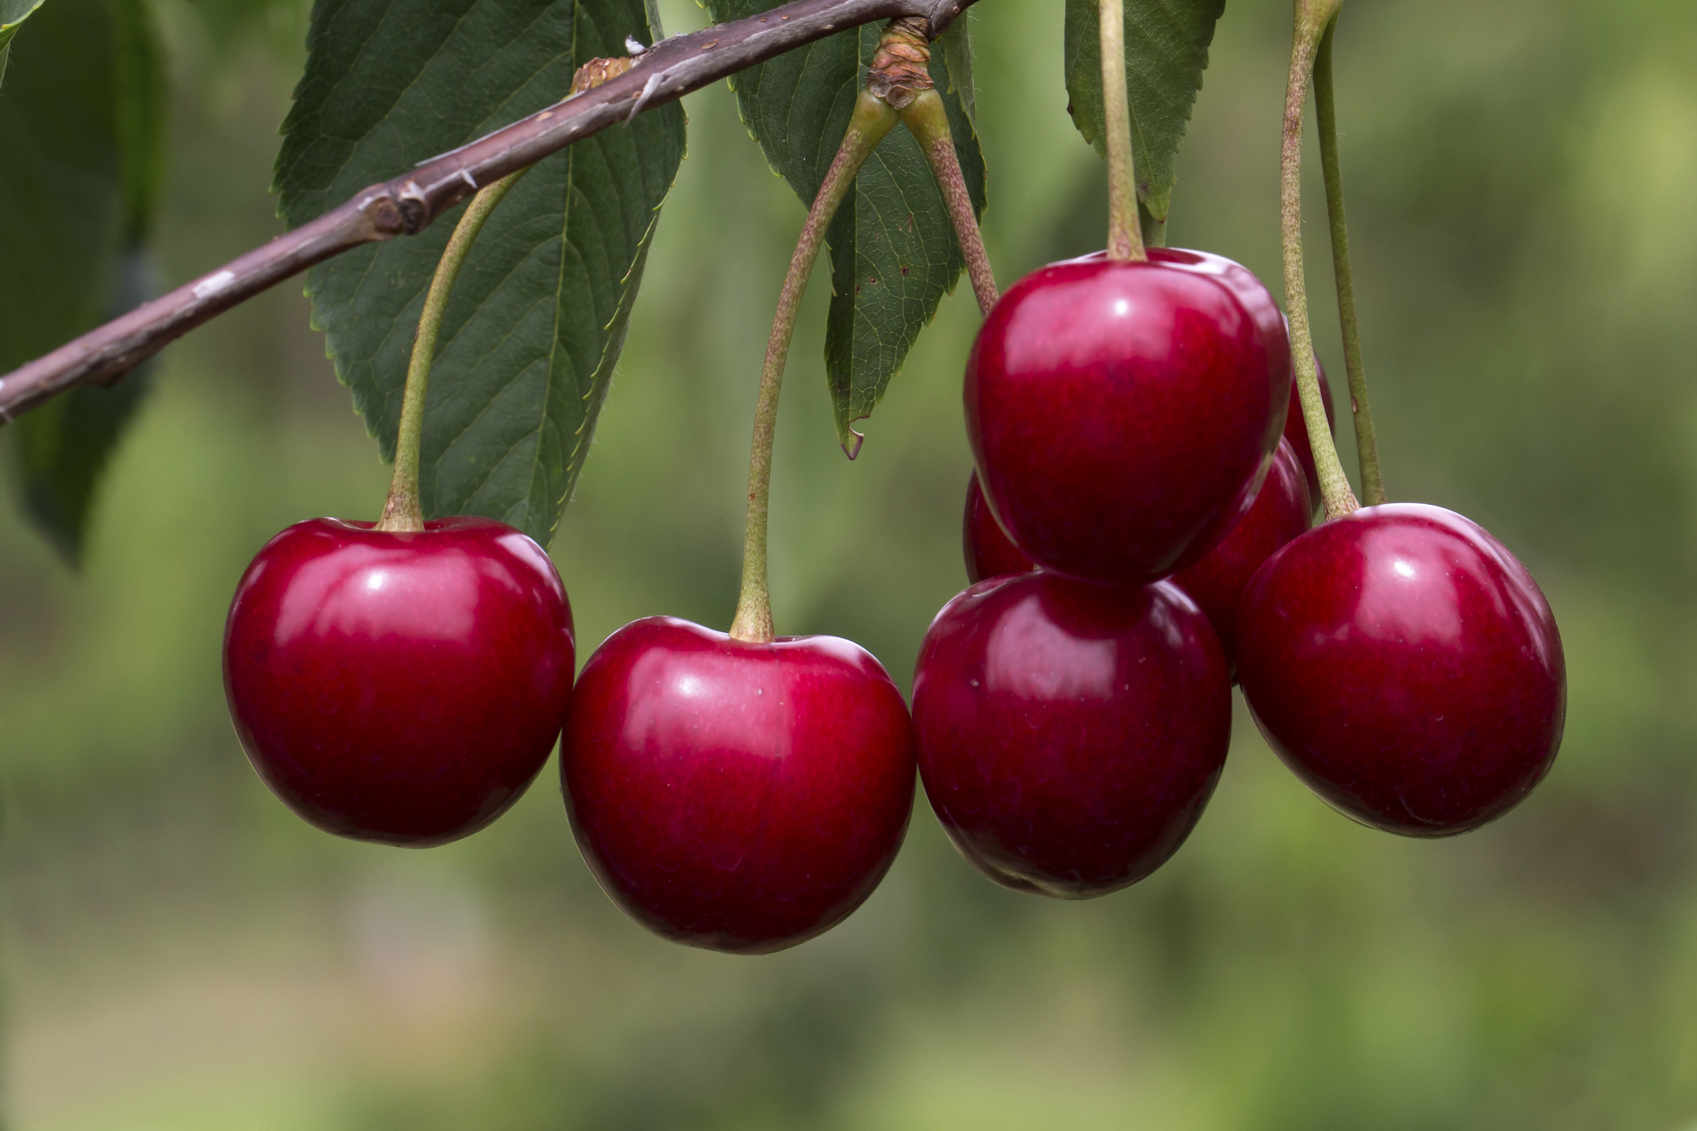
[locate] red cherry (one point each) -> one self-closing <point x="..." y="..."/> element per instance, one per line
<point x="1407" y="667"/>
<point x="401" y="688"/>
<point x="1249" y="290"/>
<point x="1121" y="415"/>
<point x="1281" y="512"/>
<point x="1296" y="431"/>
<point x="987" y="548"/>
<point x="1070" y="734"/>
<point x="736" y="796"/>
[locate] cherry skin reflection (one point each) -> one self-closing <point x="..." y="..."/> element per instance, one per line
<point x="1070" y="734"/>
<point x="1281" y="512"/>
<point x="401" y="688"/>
<point x="1121" y="414"/>
<point x="988" y="551"/>
<point x="736" y="796"/>
<point x="1407" y="667"/>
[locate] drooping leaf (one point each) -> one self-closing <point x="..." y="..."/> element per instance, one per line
<point x="538" y="316"/>
<point x="82" y="139"/>
<point x="12" y="15"/>
<point x="893" y="250"/>
<point x="1166" y="51"/>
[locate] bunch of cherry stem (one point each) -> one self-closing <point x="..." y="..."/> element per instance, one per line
<point x="1311" y="59"/>
<point x="898" y="87"/>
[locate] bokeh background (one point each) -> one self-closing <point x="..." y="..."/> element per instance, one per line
<point x="179" y="952"/>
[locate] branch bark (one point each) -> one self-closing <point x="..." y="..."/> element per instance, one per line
<point x="410" y="202"/>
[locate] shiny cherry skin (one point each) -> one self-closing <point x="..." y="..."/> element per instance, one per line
<point x="1121" y="415"/>
<point x="1296" y="431"/>
<point x="1070" y="734"/>
<point x="1407" y="667"/>
<point x="736" y="796"/>
<point x="1249" y="290"/>
<point x="989" y="552"/>
<point x="1281" y="513"/>
<point x="399" y="688"/>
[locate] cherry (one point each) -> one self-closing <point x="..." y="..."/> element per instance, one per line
<point x="1407" y="667"/>
<point x="738" y="796"/>
<point x="987" y="549"/>
<point x="1070" y="734"/>
<point x="1281" y="512"/>
<point x="1296" y="431"/>
<point x="1122" y="413"/>
<point x="401" y="688"/>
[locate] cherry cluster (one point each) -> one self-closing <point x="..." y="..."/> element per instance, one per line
<point x="1139" y="534"/>
<point x="1137" y="531"/>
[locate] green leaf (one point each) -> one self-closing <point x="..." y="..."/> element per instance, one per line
<point x="63" y="447"/>
<point x="1166" y="51"/>
<point x="957" y="57"/>
<point x="893" y="250"/>
<point x="538" y="316"/>
<point x="81" y="150"/>
<point x="12" y="14"/>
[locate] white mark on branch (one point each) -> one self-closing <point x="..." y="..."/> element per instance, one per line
<point x="634" y="46"/>
<point x="468" y="179"/>
<point x="450" y="153"/>
<point x="648" y="89"/>
<point x="213" y="284"/>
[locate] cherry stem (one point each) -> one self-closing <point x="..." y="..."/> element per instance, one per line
<point x="402" y="512"/>
<point x="928" y="121"/>
<point x="1312" y="16"/>
<point x="1325" y="112"/>
<point x="873" y="118"/>
<point x="1125" y="232"/>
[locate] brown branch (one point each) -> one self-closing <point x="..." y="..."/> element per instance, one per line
<point x="408" y="204"/>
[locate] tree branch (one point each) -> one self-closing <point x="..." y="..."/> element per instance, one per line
<point x="407" y="204"/>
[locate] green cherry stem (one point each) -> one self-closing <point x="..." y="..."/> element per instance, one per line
<point x="873" y="118"/>
<point x="402" y="511"/>
<point x="928" y="121"/>
<point x="1325" y="112"/>
<point x="1125" y="232"/>
<point x="1312" y="16"/>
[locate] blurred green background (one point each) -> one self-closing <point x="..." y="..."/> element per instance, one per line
<point x="180" y="952"/>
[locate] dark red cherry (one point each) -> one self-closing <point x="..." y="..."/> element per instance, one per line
<point x="1296" y="431"/>
<point x="1281" y="512"/>
<point x="736" y="796"/>
<point x="1070" y="734"/>
<point x="402" y="688"/>
<point x="1407" y="667"/>
<point x="986" y="547"/>
<point x="1121" y="415"/>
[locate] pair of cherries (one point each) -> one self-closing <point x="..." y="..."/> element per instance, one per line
<point x="1069" y="723"/>
<point x="406" y="688"/>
